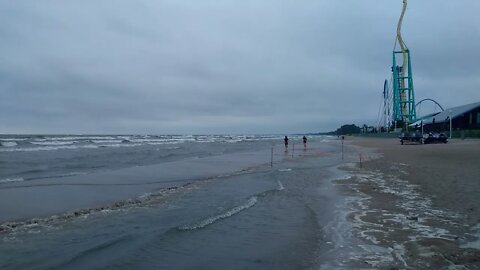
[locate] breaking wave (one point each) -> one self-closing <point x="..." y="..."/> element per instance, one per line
<point x="8" y="143"/>
<point x="60" y="142"/>
<point x="202" y="224"/>
<point x="11" y="180"/>
<point x="141" y="201"/>
<point x="280" y="185"/>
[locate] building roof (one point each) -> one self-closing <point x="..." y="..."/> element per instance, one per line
<point x="444" y="116"/>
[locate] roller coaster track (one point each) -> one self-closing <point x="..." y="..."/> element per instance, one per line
<point x="404" y="48"/>
<point x="429" y="99"/>
<point x="402" y="44"/>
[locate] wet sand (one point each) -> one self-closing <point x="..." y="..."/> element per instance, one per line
<point x="419" y="203"/>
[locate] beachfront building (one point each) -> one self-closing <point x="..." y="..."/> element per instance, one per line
<point x="464" y="119"/>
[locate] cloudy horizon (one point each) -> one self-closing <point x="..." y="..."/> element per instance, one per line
<point x="219" y="67"/>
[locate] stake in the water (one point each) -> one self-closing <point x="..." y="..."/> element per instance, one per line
<point x="342" y="145"/>
<point x="271" y="159"/>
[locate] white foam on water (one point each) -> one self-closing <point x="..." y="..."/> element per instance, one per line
<point x="119" y="145"/>
<point x="46" y="148"/>
<point x="54" y="142"/>
<point x="106" y="141"/>
<point x="285" y="170"/>
<point x="413" y="213"/>
<point x="366" y="235"/>
<point x="11" y="180"/>
<point x="173" y="148"/>
<point x="70" y="138"/>
<point x="49" y="143"/>
<point x="376" y="256"/>
<point x="411" y="202"/>
<point x="476" y="234"/>
<point x="13" y="139"/>
<point x="8" y="144"/>
<point x="399" y="253"/>
<point x="280" y="185"/>
<point x="208" y="221"/>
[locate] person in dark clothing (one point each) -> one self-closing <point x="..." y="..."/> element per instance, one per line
<point x="304" y="142"/>
<point x="285" y="140"/>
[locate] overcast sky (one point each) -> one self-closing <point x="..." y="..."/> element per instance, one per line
<point x="204" y="66"/>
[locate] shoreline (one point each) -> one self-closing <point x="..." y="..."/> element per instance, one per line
<point x="418" y="203"/>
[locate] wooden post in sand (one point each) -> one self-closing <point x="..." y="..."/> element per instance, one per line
<point x="271" y="159"/>
<point x="342" y="146"/>
<point x="421" y="123"/>
<point x="293" y="149"/>
<point x="360" y="156"/>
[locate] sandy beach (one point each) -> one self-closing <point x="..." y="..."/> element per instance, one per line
<point x="418" y="203"/>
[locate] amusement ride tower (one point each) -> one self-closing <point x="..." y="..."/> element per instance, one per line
<point x="403" y="95"/>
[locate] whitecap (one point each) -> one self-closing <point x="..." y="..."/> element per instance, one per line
<point x="208" y="221"/>
<point x="106" y="141"/>
<point x="8" y="143"/>
<point x="280" y="186"/>
<point x="46" y="148"/>
<point x="54" y="143"/>
<point x="11" y="180"/>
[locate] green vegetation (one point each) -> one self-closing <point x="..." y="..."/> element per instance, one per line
<point x="344" y="130"/>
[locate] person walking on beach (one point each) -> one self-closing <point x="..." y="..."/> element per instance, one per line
<point x="285" y="140"/>
<point x="304" y="142"/>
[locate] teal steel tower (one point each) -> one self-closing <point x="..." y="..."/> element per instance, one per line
<point x="403" y="93"/>
<point x="404" y="111"/>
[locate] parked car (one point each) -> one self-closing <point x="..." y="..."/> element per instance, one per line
<point x="413" y="137"/>
<point x="416" y="137"/>
<point x="434" y="138"/>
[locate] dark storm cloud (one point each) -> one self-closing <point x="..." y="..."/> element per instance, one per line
<point x="222" y="66"/>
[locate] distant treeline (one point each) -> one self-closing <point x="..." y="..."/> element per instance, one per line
<point x="344" y="130"/>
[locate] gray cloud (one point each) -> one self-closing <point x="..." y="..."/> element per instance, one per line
<point x="223" y="66"/>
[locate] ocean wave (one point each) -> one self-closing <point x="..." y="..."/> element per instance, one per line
<point x="70" y="138"/>
<point x="208" y="221"/>
<point x="140" y="201"/>
<point x="173" y="148"/>
<point x="106" y="141"/>
<point x="8" y="143"/>
<point x="52" y="147"/>
<point x="59" y="142"/>
<point x="46" y="148"/>
<point x="150" y="140"/>
<point x="280" y="185"/>
<point x="119" y="145"/>
<point x="14" y="139"/>
<point x="53" y="142"/>
<point x="11" y="180"/>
